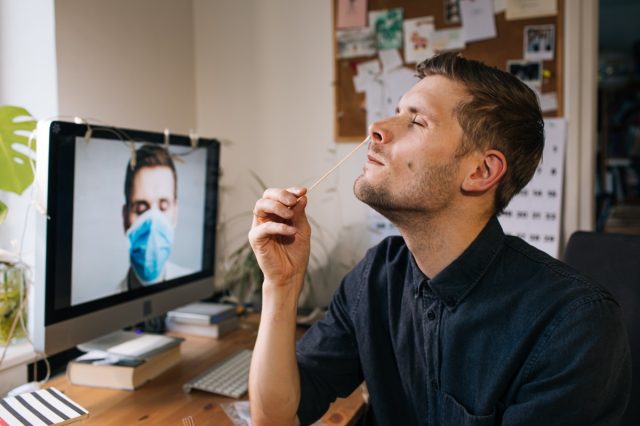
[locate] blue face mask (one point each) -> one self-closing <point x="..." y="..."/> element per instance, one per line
<point x="150" y="243"/>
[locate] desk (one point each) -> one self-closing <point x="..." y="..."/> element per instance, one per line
<point x="162" y="401"/>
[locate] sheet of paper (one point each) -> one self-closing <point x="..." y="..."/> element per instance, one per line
<point x="499" y="6"/>
<point x="238" y="412"/>
<point x="539" y="42"/>
<point x="478" y="20"/>
<point x="356" y="42"/>
<point x="390" y="59"/>
<point x="449" y="39"/>
<point x="369" y="68"/>
<point x="351" y="14"/>
<point x="374" y="102"/>
<point x="536" y="213"/>
<point x="451" y="11"/>
<point x="396" y="83"/>
<point x="523" y="9"/>
<point x="548" y="101"/>
<point x="417" y="39"/>
<point x="388" y="27"/>
<point x="383" y="93"/>
<point x="366" y="73"/>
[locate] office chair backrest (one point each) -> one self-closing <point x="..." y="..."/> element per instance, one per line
<point x="613" y="260"/>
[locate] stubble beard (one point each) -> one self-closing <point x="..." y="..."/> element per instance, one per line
<point x="429" y="193"/>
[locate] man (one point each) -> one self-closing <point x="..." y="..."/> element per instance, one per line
<point x="454" y="323"/>
<point x="149" y="217"/>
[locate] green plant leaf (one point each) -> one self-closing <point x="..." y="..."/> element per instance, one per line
<point x="3" y="211"/>
<point x="16" y="173"/>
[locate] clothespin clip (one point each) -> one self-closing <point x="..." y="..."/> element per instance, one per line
<point x="132" y="161"/>
<point x="166" y="138"/>
<point x="193" y="137"/>
<point x="88" y="132"/>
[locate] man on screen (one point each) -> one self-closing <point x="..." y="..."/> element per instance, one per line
<point x="149" y="216"/>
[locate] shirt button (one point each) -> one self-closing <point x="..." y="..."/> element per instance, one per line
<point x="431" y="315"/>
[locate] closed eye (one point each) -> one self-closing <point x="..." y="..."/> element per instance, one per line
<point x="415" y="120"/>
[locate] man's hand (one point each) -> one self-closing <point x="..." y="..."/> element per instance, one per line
<point x="280" y="236"/>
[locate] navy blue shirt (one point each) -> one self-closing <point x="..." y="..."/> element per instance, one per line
<point x="504" y="335"/>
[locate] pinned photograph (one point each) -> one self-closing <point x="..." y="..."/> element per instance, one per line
<point x="530" y="72"/>
<point x="351" y="14"/>
<point x="417" y="39"/>
<point x="539" y="42"/>
<point x="356" y="42"/>
<point x="387" y="25"/>
<point x="452" y="12"/>
<point x="448" y="39"/>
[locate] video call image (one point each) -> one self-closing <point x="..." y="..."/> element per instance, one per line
<point x="135" y="227"/>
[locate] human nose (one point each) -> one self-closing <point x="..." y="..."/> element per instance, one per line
<point x="382" y="131"/>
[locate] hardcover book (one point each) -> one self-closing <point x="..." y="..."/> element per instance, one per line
<point x="208" y="330"/>
<point x="202" y="313"/>
<point x="96" y="369"/>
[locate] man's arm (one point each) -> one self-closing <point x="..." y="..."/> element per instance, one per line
<point x="580" y="374"/>
<point x="280" y="237"/>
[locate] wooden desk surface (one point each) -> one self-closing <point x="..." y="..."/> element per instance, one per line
<point x="162" y="401"/>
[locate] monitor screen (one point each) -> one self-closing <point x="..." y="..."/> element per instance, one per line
<point x="129" y="231"/>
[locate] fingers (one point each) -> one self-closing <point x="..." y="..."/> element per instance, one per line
<point x="288" y="197"/>
<point x="271" y="229"/>
<point x="279" y="212"/>
<point x="279" y="205"/>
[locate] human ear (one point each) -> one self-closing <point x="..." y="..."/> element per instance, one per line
<point x="490" y="167"/>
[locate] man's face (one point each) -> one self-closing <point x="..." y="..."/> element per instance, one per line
<point x="153" y="187"/>
<point x="412" y="163"/>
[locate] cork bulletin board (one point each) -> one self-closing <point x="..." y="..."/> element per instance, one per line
<point x="350" y="112"/>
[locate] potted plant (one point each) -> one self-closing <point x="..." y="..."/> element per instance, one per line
<point x="17" y="173"/>
<point x="12" y="301"/>
<point x="242" y="275"/>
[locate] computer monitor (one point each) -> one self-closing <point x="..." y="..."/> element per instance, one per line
<point x="129" y="231"/>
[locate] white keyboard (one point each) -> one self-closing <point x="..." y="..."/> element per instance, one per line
<point x="229" y="378"/>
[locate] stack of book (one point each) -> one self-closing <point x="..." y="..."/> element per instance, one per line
<point x="203" y="319"/>
<point x="125" y="366"/>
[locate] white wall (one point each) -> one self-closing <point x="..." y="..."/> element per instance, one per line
<point x="27" y="56"/>
<point x="264" y="77"/>
<point x="28" y="80"/>
<point x="127" y="63"/>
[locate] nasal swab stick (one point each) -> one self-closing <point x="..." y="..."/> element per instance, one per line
<point x="321" y="178"/>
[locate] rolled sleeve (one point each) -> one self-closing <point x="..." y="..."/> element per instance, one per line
<point x="328" y="358"/>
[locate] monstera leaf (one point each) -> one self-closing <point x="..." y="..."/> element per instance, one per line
<point x="3" y="211"/>
<point x="16" y="174"/>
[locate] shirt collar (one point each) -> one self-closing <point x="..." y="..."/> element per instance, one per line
<point x="453" y="283"/>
